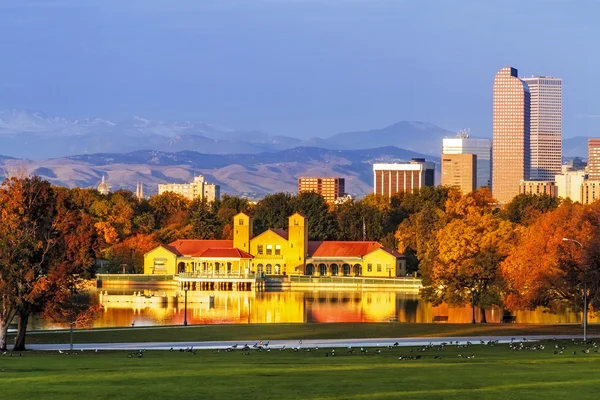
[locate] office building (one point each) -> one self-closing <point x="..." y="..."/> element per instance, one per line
<point x="199" y="189"/>
<point x="459" y="171"/>
<point x="511" y="148"/>
<point x="390" y="179"/>
<point x="593" y="162"/>
<point x="590" y="191"/>
<point x="545" y="126"/>
<point x="482" y="148"/>
<point x="538" y="188"/>
<point x="569" y="184"/>
<point x="329" y="187"/>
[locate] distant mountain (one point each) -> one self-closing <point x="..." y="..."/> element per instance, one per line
<point x="255" y="174"/>
<point x="35" y="135"/>
<point x="575" y="147"/>
<point x="421" y="137"/>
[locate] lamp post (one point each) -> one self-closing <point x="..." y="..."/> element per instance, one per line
<point x="585" y="294"/>
<point x="473" y="305"/>
<point x="185" y="290"/>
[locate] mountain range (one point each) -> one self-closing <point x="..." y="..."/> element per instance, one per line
<point x="35" y="135"/>
<point x="253" y="175"/>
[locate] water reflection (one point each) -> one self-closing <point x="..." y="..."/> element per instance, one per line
<point x="300" y="307"/>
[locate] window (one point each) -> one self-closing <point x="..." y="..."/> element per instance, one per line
<point x="295" y="221"/>
<point x="277" y="250"/>
<point x="378" y="267"/>
<point x="241" y="221"/>
<point x="259" y="249"/>
<point x="269" y="249"/>
<point x="369" y="267"/>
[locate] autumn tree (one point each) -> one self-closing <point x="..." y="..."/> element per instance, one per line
<point x="228" y="207"/>
<point x="470" y="248"/>
<point x="128" y="255"/>
<point x="544" y="270"/>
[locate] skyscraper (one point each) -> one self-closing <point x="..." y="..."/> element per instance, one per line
<point x="593" y="163"/>
<point x="511" y="149"/>
<point x="545" y="126"/>
<point x="482" y="148"/>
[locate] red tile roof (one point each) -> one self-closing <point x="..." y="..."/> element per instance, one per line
<point x="223" y="253"/>
<point x="188" y="247"/>
<point x="341" y="249"/>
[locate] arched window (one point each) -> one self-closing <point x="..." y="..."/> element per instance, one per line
<point x="269" y="269"/>
<point x="334" y="270"/>
<point x="181" y="267"/>
<point x="259" y="268"/>
<point x="322" y="269"/>
<point x="346" y="269"/>
<point x="357" y="270"/>
<point x="310" y="269"/>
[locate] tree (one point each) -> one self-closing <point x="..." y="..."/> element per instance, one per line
<point x="203" y="220"/>
<point x="526" y="208"/>
<point x="27" y="234"/>
<point x="169" y="209"/>
<point x="228" y="207"/>
<point x="463" y="258"/>
<point x="130" y="253"/>
<point x="273" y="211"/>
<point x="546" y="271"/>
<point x="322" y="224"/>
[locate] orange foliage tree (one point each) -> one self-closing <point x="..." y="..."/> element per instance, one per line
<point x="544" y="270"/>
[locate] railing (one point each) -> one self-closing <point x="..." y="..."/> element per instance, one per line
<point x="350" y="280"/>
<point x="133" y="277"/>
<point x="185" y="275"/>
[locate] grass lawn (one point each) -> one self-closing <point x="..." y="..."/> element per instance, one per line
<point x="494" y="373"/>
<point x="304" y="331"/>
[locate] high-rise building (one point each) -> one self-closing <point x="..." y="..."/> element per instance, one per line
<point x="511" y="149"/>
<point x="389" y="179"/>
<point x="545" y="126"/>
<point x="460" y="171"/>
<point x="329" y="187"/>
<point x="199" y="189"/>
<point x="593" y="162"/>
<point x="590" y="191"/>
<point x="482" y="148"/>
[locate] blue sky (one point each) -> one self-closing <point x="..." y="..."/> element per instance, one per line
<point x="296" y="67"/>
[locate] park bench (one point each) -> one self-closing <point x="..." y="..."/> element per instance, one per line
<point x="440" y="318"/>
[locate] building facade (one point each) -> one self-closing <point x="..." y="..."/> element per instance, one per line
<point x="545" y="126"/>
<point x="390" y="179"/>
<point x="198" y="189"/>
<point x="590" y="191"/>
<point x="459" y="171"/>
<point x="274" y="252"/>
<point x="538" y="188"/>
<point x="593" y="162"/>
<point x="329" y="187"/>
<point x="511" y="135"/>
<point x="569" y="184"/>
<point x="482" y="148"/>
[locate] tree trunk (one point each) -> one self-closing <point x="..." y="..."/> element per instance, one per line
<point x="483" y="320"/>
<point x="5" y="321"/>
<point x="21" y="331"/>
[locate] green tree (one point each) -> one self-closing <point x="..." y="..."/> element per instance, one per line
<point x="321" y="222"/>
<point x="526" y="208"/>
<point x="273" y="211"/>
<point x="204" y="221"/>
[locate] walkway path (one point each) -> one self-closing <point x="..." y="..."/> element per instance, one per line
<point x="275" y="344"/>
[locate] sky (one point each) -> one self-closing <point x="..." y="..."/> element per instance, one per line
<point x="302" y="68"/>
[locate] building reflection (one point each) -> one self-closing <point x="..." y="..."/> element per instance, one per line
<point x="301" y="307"/>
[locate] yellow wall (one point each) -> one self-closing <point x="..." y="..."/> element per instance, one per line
<point x="380" y="258"/>
<point x="295" y="257"/>
<point x="272" y="239"/>
<point x="242" y="232"/>
<point x="160" y="254"/>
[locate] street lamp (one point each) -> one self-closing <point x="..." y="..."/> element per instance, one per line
<point x="473" y="304"/>
<point x="585" y="294"/>
<point x="185" y="290"/>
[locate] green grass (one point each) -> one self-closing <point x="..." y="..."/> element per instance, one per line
<point x="304" y="331"/>
<point x="495" y="373"/>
